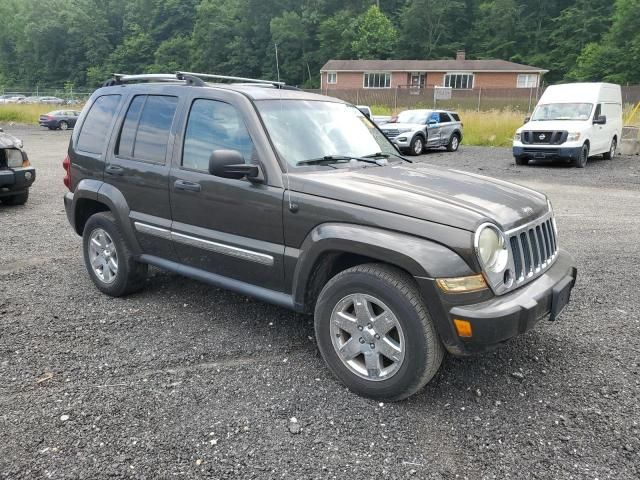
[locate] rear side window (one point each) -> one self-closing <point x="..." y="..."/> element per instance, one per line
<point x="444" y="118"/>
<point x="456" y="117"/>
<point x="146" y="128"/>
<point x="95" y="130"/>
<point x="214" y="125"/>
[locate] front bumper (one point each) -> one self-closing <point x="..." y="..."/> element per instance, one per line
<point x="542" y="152"/>
<point x="16" y="180"/>
<point x="503" y="317"/>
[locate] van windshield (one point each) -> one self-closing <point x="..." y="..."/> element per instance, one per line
<point x="562" y="111"/>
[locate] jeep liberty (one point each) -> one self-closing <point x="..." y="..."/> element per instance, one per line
<point x="299" y="200"/>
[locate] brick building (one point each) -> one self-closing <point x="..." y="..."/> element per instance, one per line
<point x="458" y="74"/>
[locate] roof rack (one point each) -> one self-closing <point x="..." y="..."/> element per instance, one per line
<point x="190" y="78"/>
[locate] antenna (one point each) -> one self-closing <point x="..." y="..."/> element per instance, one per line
<point x="277" y="63"/>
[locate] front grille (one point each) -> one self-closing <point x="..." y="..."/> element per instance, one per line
<point x="391" y="133"/>
<point x="534" y="247"/>
<point x="557" y="137"/>
<point x="546" y="151"/>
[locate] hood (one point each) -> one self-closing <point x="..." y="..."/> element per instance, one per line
<point x="9" y="141"/>
<point x="396" y="126"/>
<point x="552" y="125"/>
<point x="436" y="194"/>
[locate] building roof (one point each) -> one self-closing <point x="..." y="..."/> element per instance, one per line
<point x="428" y="66"/>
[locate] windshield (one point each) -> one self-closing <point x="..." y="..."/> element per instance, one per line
<point x="303" y="130"/>
<point x="413" y="116"/>
<point x="563" y="111"/>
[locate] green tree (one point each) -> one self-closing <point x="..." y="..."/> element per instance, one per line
<point x="376" y="36"/>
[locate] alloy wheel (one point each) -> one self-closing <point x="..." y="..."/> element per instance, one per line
<point x="103" y="255"/>
<point x="367" y="337"/>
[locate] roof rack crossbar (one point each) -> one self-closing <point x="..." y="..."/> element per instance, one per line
<point x="158" y="77"/>
<point x="227" y="77"/>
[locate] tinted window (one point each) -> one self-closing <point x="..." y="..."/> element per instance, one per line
<point x="444" y="118"/>
<point x="214" y="125"/>
<point x="94" y="133"/>
<point x="456" y="117"/>
<point x="598" y="111"/>
<point x="128" y="131"/>
<point x="146" y="128"/>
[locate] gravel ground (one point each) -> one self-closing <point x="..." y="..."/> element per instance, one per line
<point x="185" y="380"/>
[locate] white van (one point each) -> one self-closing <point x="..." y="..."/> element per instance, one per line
<point x="573" y="121"/>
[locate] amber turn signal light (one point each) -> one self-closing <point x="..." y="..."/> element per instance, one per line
<point x="462" y="284"/>
<point x="463" y="327"/>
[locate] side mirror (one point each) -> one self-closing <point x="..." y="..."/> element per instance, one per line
<point x="230" y="164"/>
<point x="526" y="119"/>
<point x="601" y="120"/>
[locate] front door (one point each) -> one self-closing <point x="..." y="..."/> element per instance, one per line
<point x="137" y="166"/>
<point x="225" y="226"/>
<point x="433" y="129"/>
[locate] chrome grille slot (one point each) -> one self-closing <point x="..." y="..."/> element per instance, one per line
<point x="533" y="248"/>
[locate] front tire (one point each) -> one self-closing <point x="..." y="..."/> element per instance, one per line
<point x="375" y="333"/>
<point x="581" y="161"/>
<point x="109" y="261"/>
<point x="612" y="150"/>
<point x="18" y="199"/>
<point x="417" y="145"/>
<point x="63" y="125"/>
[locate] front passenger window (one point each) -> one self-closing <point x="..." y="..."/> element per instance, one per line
<point x="214" y="125"/>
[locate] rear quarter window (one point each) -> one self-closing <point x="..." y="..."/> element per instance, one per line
<point x="456" y="117"/>
<point x="95" y="129"/>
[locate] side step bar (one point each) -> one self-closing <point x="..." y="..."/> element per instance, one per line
<point x="264" y="294"/>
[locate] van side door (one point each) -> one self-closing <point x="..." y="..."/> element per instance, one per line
<point x="138" y="167"/>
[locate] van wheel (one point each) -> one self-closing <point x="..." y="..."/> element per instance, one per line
<point x="612" y="150"/>
<point x="522" y="161"/>
<point x="375" y="333"/>
<point x="417" y="145"/>
<point x="454" y="143"/>
<point x="109" y="262"/>
<point x="581" y="161"/>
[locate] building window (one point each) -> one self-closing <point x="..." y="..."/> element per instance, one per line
<point x="459" y="80"/>
<point x="332" y="78"/>
<point x="528" y="80"/>
<point x="377" y="80"/>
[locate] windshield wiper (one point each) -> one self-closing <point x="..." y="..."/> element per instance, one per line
<point x="387" y="155"/>
<point x="329" y="159"/>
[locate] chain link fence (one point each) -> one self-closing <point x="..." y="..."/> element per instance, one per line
<point x="33" y="95"/>
<point x="478" y="99"/>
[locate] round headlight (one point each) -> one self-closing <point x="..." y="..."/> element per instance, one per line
<point x="492" y="249"/>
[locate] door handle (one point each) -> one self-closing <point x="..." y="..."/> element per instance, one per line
<point x="115" y="170"/>
<point x="187" y="186"/>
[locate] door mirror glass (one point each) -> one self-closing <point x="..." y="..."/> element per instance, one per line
<point x="230" y="164"/>
<point x="600" y="120"/>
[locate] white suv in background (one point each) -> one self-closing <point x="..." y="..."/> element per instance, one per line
<point x="413" y="131"/>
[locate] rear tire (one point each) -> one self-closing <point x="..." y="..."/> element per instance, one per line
<point x="392" y="319"/>
<point x="417" y="145"/>
<point x="109" y="261"/>
<point x="63" y="125"/>
<point x="454" y="143"/>
<point x="612" y="150"/>
<point x="581" y="161"/>
<point x="522" y="161"/>
<point x="19" y="199"/>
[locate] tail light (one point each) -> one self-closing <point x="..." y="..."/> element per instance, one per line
<point x="66" y="164"/>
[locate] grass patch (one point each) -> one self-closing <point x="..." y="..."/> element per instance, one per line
<point x="20" y="113"/>
<point x="491" y="129"/>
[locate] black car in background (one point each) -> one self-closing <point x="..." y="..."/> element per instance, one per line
<point x="16" y="173"/>
<point x="59" y="119"/>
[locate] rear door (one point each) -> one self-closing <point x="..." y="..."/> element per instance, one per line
<point x="225" y="226"/>
<point x="137" y="166"/>
<point x="446" y="127"/>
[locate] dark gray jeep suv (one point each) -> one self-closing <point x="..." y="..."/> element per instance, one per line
<point x="300" y="200"/>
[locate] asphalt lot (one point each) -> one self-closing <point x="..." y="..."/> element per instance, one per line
<point x="184" y="380"/>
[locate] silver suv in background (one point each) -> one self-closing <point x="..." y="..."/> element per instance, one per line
<point x="413" y="131"/>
